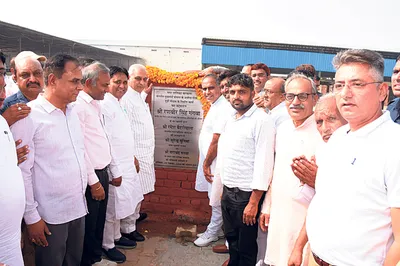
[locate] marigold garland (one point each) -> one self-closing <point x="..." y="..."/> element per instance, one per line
<point x="182" y="79"/>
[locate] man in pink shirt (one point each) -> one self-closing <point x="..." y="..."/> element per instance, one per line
<point x="99" y="161"/>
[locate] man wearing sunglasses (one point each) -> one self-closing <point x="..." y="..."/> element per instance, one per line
<point x="283" y="209"/>
<point x="142" y="127"/>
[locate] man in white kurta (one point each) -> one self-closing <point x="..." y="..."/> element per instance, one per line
<point x="12" y="200"/>
<point x="212" y="127"/>
<point x="295" y="137"/>
<point x="142" y="127"/>
<point x="122" y="200"/>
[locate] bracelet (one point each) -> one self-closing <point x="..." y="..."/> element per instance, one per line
<point x="98" y="188"/>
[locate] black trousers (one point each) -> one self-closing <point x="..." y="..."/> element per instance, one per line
<point x="242" y="238"/>
<point x="65" y="244"/>
<point x="95" y="220"/>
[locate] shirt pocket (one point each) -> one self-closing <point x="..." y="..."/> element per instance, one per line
<point x="7" y="147"/>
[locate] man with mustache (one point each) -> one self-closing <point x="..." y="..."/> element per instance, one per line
<point x="100" y="160"/>
<point x="141" y="123"/>
<point x="28" y="75"/>
<point x="283" y="213"/>
<point x="260" y="73"/>
<point x="394" y="105"/>
<point x="274" y="100"/>
<point x="223" y="81"/>
<point x="358" y="223"/>
<point x="328" y="119"/>
<point x="245" y="164"/>
<point x="122" y="200"/>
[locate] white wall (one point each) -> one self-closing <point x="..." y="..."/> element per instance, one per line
<point x="172" y="59"/>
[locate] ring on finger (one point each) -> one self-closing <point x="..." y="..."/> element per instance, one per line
<point x="19" y="108"/>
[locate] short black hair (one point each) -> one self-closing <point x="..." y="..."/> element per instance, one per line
<point x="56" y="65"/>
<point x="2" y="57"/>
<point x="243" y="80"/>
<point x="116" y="69"/>
<point x="398" y="58"/>
<point x="226" y="74"/>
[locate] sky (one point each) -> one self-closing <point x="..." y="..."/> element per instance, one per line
<point x="368" y="24"/>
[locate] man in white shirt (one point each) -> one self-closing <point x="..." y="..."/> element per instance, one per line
<point x="208" y="141"/>
<point x="360" y="225"/>
<point x="141" y="123"/>
<point x="285" y="203"/>
<point x="122" y="200"/>
<point x="274" y="100"/>
<point x="260" y="73"/>
<point x="245" y="163"/>
<point x="99" y="161"/>
<point x="328" y="119"/>
<point x="54" y="173"/>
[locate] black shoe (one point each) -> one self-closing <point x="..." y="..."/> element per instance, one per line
<point x="142" y="216"/>
<point x="114" y="255"/>
<point x="135" y="235"/>
<point x="125" y="243"/>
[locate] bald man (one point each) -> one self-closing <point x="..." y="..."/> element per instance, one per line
<point x="274" y="100"/>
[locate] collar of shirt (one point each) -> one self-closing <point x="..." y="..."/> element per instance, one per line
<point x="218" y="100"/>
<point x="47" y="106"/>
<point x="21" y="97"/>
<point x="309" y="121"/>
<point x="87" y="98"/>
<point x="248" y="112"/>
<point x="369" y="128"/>
<point x="278" y="107"/>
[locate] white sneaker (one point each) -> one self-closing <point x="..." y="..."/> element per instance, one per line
<point x="205" y="239"/>
<point x="220" y="234"/>
<point x="105" y="262"/>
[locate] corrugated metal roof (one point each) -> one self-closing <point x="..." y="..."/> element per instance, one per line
<point x="239" y="56"/>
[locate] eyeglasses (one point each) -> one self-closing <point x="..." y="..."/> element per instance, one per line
<point x="353" y="85"/>
<point x="137" y="78"/>
<point x="267" y="91"/>
<point x="301" y="96"/>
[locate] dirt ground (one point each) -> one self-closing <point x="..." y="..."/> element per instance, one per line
<point x="161" y="247"/>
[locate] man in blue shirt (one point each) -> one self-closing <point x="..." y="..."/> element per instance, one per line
<point x="28" y="75"/>
<point x="394" y="105"/>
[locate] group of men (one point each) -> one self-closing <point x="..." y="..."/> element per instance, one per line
<point x="296" y="178"/>
<point x="293" y="178"/>
<point x="85" y="159"/>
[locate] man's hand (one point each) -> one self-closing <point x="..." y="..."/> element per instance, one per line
<point x="305" y="170"/>
<point x="137" y="165"/>
<point x="16" y="112"/>
<point x="207" y="173"/>
<point x="116" y="182"/>
<point x="264" y="221"/>
<point x="21" y="152"/>
<point x="37" y="233"/>
<point x="148" y="88"/>
<point x="259" y="101"/>
<point x="206" y="71"/>
<point x="296" y="258"/>
<point x="249" y="214"/>
<point x="97" y="191"/>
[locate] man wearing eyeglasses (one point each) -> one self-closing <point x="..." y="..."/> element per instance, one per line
<point x="274" y="100"/>
<point x="358" y="223"/>
<point x="260" y="73"/>
<point x="394" y="105"/>
<point x="283" y="214"/>
<point x="142" y="126"/>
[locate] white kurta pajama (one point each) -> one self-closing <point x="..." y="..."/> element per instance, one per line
<point x="142" y="127"/>
<point x="123" y="200"/>
<point x="288" y="208"/>
<point x="213" y="123"/>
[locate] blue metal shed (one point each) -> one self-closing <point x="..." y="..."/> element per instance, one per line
<point x="284" y="57"/>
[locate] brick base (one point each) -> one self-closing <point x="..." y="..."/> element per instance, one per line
<point x="175" y="194"/>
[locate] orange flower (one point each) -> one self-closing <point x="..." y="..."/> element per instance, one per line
<point x="182" y="79"/>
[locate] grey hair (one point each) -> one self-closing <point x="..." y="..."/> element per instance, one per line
<point x="324" y="98"/>
<point x="362" y="56"/>
<point x="298" y="75"/>
<point x="93" y="71"/>
<point x="135" y="67"/>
